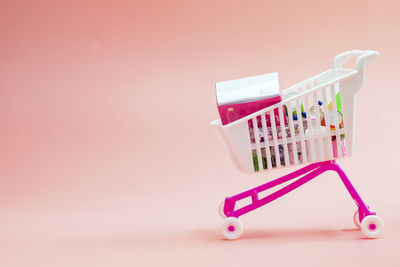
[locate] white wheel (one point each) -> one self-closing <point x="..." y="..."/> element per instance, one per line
<point x="231" y="228"/>
<point x="221" y="209"/>
<point x="372" y="226"/>
<point x="356" y="219"/>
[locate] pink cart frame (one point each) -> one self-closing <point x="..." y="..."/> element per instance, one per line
<point x="306" y="174"/>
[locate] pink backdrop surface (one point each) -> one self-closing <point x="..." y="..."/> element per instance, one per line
<point x="107" y="157"/>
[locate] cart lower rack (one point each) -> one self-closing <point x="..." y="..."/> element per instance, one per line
<point x="313" y="124"/>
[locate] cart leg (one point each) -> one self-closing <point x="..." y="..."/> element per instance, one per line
<point x="363" y="209"/>
<point x="306" y="174"/>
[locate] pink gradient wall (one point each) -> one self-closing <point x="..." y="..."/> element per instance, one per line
<point x="106" y="154"/>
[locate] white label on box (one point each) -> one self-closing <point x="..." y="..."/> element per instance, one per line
<point x="248" y="89"/>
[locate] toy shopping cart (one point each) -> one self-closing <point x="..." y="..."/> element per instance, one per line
<point x="313" y="124"/>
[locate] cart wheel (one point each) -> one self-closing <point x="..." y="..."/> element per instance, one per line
<point x="356" y="219"/>
<point x="372" y="226"/>
<point x="231" y="228"/>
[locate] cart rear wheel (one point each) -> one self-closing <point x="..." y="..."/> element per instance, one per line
<point x="372" y="226"/>
<point x="231" y="228"/>
<point x="356" y="219"/>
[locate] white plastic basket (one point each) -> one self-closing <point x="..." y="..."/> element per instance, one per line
<point x="255" y="145"/>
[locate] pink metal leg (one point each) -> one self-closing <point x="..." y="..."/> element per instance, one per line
<point x="363" y="209"/>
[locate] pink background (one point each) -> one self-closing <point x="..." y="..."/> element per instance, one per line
<point x="107" y="157"/>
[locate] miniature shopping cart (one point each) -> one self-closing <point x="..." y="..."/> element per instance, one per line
<point x="313" y="124"/>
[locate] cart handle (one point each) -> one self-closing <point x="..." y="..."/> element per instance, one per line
<point x="363" y="57"/>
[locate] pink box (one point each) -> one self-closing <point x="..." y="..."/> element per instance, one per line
<point x="238" y="98"/>
<point x="232" y="112"/>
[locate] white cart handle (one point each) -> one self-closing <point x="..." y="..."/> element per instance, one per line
<point x="363" y="57"/>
